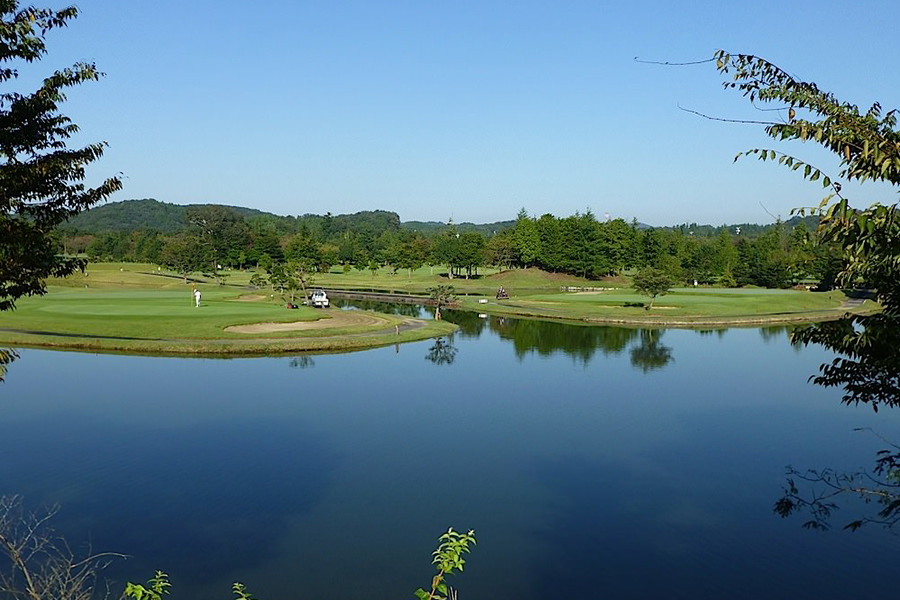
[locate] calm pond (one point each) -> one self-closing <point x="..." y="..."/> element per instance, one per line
<point x="592" y="462"/>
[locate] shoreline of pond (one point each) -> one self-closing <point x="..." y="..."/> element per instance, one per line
<point x="325" y="341"/>
<point x="410" y="330"/>
<point x="699" y="322"/>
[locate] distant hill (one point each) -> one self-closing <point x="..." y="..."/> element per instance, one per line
<point x="127" y="216"/>
<point x="152" y="215"/>
<point x="149" y="214"/>
<point x="430" y="227"/>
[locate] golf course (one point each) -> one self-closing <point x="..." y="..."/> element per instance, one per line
<point x="141" y="308"/>
<point x="136" y="308"/>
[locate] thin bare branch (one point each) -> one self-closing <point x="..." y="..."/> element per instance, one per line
<point x="667" y="63"/>
<point x="724" y="120"/>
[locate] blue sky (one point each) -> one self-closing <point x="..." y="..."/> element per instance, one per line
<point x="470" y="110"/>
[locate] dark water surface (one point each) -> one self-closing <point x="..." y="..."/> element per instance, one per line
<point x="591" y="461"/>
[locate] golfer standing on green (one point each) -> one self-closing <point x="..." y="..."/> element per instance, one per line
<point x="197" y="297"/>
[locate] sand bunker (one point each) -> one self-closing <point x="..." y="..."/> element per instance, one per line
<point x="342" y="318"/>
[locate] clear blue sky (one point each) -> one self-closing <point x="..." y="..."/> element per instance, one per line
<point x="469" y="109"/>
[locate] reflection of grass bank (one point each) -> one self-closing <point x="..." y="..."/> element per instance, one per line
<point x="135" y="310"/>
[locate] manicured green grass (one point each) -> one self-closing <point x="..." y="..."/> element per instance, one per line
<point x="139" y="308"/>
<point x="685" y="306"/>
<point x="518" y="281"/>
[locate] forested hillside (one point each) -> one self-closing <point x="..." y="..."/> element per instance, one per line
<point x="136" y="215"/>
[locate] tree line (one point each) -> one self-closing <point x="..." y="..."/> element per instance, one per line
<point x="214" y="238"/>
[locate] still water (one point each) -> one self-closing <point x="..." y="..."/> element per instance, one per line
<point x="591" y="461"/>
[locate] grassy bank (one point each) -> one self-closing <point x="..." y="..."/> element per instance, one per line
<point x="685" y="307"/>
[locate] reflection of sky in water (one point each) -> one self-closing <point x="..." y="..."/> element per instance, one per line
<point x="577" y="469"/>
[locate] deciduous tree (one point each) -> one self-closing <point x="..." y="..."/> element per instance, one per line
<point x="41" y="178"/>
<point x="441" y="296"/>
<point x="867" y="145"/>
<point x="652" y="282"/>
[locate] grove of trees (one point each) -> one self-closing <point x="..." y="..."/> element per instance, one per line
<point x="212" y="238"/>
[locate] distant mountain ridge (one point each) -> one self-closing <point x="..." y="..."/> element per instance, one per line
<point x="429" y="227"/>
<point x="148" y="214"/>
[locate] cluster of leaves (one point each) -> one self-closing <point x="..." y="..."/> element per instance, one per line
<point x="868" y="143"/>
<point x="7" y="355"/>
<point x="159" y="588"/>
<point x="448" y="558"/>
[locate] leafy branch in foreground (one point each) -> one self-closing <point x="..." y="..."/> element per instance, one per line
<point x="41" y="178"/>
<point x="7" y="355"/>
<point x="159" y="587"/>
<point x="449" y="559"/>
<point x="867" y="145"/>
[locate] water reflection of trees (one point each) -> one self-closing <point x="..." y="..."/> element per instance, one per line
<point x="470" y="324"/>
<point x="302" y="362"/>
<point x="650" y="354"/>
<point x="774" y="333"/>
<point x="581" y="342"/>
<point x="388" y="308"/>
<point x="442" y="352"/>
